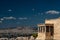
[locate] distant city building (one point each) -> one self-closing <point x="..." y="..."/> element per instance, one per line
<point x="19" y="33"/>
<point x="50" y="30"/>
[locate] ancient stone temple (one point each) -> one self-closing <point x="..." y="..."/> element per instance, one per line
<point x="50" y="30"/>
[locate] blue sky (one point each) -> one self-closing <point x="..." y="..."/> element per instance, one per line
<point x="15" y="13"/>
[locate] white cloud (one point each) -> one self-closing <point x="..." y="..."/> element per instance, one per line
<point x="23" y="18"/>
<point x="0" y="21"/>
<point x="52" y="12"/>
<point x="9" y="18"/>
<point x="9" y="10"/>
<point x="33" y="9"/>
<point x="12" y="18"/>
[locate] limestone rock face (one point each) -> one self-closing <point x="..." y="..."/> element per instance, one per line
<point x="22" y="38"/>
<point x="12" y="39"/>
<point x="31" y="38"/>
<point x="3" y="38"/>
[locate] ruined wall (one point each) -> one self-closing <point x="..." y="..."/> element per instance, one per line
<point x="56" y="23"/>
<point x="41" y="32"/>
<point x="41" y="36"/>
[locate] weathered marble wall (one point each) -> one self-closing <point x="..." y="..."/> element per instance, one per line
<point x="56" y="23"/>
